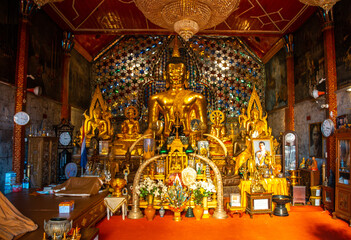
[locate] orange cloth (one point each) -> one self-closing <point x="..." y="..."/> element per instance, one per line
<point x="79" y="186"/>
<point x="12" y="222"/>
<point x="277" y="186"/>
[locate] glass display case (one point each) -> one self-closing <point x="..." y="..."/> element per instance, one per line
<point x="343" y="181"/>
<point x="290" y="153"/>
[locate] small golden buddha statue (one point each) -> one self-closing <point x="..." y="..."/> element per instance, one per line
<point x="242" y="117"/>
<point x="255" y="126"/>
<point x="97" y="126"/>
<point x="303" y="164"/>
<point x="189" y="104"/>
<point x="130" y="127"/>
<point x="217" y="128"/>
<point x="229" y="167"/>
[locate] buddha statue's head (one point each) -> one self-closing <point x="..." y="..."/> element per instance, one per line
<point x="176" y="72"/>
<point x="254" y="114"/>
<point x="97" y="113"/>
<point x="176" y="69"/>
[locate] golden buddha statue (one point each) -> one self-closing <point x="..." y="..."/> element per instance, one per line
<point x="242" y="117"/>
<point x="129" y="134"/>
<point x="98" y="123"/>
<point x="190" y="105"/>
<point x="217" y="128"/>
<point x="97" y="126"/>
<point x="130" y="127"/>
<point x="255" y="126"/>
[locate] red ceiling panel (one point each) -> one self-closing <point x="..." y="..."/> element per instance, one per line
<point x="267" y="19"/>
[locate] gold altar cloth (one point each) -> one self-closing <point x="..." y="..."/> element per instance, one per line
<point x="277" y="186"/>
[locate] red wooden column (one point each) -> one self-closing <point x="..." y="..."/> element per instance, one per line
<point x="67" y="45"/>
<point x="289" y="111"/>
<point x="331" y="82"/>
<point x="21" y="86"/>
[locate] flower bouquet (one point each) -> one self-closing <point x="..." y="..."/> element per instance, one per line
<point x="150" y="188"/>
<point x="202" y="189"/>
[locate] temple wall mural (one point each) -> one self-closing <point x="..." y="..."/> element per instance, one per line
<point x="79" y="81"/>
<point x="343" y="43"/>
<point x="308" y="58"/>
<point x="8" y="39"/>
<point x="276" y="87"/>
<point x="45" y="56"/>
<point x="220" y="68"/>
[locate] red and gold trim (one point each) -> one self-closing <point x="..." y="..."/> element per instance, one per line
<point x="289" y="111"/>
<point x="21" y="85"/>
<point x="331" y="83"/>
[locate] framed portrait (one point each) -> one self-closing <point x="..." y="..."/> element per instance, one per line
<point x="261" y="149"/>
<point x="315" y="141"/>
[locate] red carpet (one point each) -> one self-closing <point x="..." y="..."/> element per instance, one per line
<point x="304" y="222"/>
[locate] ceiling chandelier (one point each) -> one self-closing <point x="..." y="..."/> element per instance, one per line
<point x="187" y="17"/>
<point x="41" y="3"/>
<point x="325" y="4"/>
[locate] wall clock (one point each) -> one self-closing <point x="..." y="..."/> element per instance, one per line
<point x="21" y="118"/>
<point x="327" y="127"/>
<point x="65" y="138"/>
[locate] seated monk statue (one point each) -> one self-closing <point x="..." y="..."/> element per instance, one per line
<point x="229" y="167"/>
<point x="240" y="144"/>
<point x="97" y="126"/>
<point x="244" y="155"/>
<point x="314" y="165"/>
<point x="256" y="126"/>
<point x="177" y="98"/>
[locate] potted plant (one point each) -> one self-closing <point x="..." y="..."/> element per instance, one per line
<point x="149" y="189"/>
<point x="201" y="190"/>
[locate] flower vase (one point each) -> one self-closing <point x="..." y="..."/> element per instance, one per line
<point x="162" y="211"/>
<point x="205" y="204"/>
<point x="150" y="211"/>
<point x="198" y="212"/>
<point x="177" y="215"/>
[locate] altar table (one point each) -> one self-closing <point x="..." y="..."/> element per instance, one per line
<point x="277" y="186"/>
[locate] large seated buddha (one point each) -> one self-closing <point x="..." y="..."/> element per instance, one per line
<point x="187" y="104"/>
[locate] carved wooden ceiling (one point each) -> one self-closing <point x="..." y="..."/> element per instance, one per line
<point x="97" y="23"/>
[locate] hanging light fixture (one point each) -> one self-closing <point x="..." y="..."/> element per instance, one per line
<point x="325" y="4"/>
<point x="41" y="3"/>
<point x="187" y="17"/>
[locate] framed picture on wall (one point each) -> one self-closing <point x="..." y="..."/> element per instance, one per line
<point x="341" y="121"/>
<point x="315" y="141"/>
